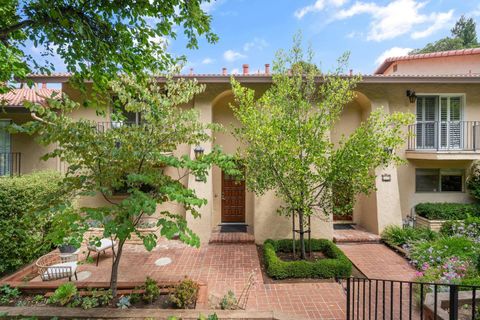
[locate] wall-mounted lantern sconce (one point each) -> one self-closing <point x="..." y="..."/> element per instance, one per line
<point x="411" y="96"/>
<point x="198" y="152"/>
<point x="388" y="150"/>
<point x="386" y="177"/>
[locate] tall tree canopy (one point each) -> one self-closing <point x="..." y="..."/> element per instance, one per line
<point x="286" y="133"/>
<point x="108" y="158"/>
<point x="95" y="39"/>
<point x="464" y="36"/>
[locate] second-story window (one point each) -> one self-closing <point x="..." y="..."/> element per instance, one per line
<point x="439" y="122"/>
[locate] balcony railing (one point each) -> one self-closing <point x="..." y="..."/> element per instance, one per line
<point x="10" y="163"/>
<point x="104" y="126"/>
<point x="444" y="136"/>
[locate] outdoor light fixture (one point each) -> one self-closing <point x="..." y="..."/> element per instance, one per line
<point x="411" y="96"/>
<point x="388" y="150"/>
<point x="386" y="177"/>
<point x="198" y="152"/>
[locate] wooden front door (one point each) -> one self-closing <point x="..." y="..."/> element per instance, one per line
<point x="233" y="199"/>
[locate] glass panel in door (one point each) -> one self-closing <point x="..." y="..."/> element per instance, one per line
<point x="426" y="122"/>
<point x="5" y="149"/>
<point x="450" y="123"/>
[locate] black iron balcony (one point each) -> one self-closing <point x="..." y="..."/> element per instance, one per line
<point x="10" y="163"/>
<point x="444" y="136"/>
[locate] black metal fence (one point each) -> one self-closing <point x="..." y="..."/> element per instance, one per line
<point x="10" y="163"/>
<point x="391" y="299"/>
<point x="444" y="135"/>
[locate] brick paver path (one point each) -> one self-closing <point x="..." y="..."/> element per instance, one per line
<point x="377" y="261"/>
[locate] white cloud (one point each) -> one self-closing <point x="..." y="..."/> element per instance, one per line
<point x="235" y="71"/>
<point x="257" y="43"/>
<point x="476" y="12"/>
<point x="319" y="5"/>
<point x="392" y="52"/>
<point x="397" y="18"/>
<point x="231" y="55"/>
<point x="208" y="7"/>
<point x="208" y="61"/>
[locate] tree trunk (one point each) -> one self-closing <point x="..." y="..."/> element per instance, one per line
<point x="302" y="235"/>
<point x="115" y="264"/>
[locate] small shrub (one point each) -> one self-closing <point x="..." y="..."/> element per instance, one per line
<point x="89" y="302"/>
<point x="473" y="180"/>
<point x="336" y="264"/>
<point x="38" y="298"/>
<point x="8" y="294"/>
<point x="185" y="294"/>
<point x="152" y="292"/>
<point x="398" y="236"/>
<point x="435" y="253"/>
<point x="202" y="317"/>
<point x="64" y="293"/>
<point x="103" y="296"/>
<point x="229" y="301"/>
<point x="468" y="228"/>
<point x="447" y="211"/>
<point x="124" y="302"/>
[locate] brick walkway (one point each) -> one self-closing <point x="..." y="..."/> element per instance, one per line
<point x="376" y="260"/>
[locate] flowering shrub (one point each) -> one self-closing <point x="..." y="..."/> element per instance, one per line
<point x="468" y="228"/>
<point x="438" y="252"/>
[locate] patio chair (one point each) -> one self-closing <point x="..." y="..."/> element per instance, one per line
<point x="104" y="245"/>
<point x="53" y="267"/>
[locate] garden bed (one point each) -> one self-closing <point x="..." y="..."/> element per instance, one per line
<point x="148" y="295"/>
<point x="328" y="261"/>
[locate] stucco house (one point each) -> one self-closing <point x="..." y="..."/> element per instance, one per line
<point x="442" y="89"/>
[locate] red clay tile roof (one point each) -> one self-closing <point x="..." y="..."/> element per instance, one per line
<point x="464" y="52"/>
<point x="16" y="97"/>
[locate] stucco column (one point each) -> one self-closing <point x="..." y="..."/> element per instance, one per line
<point x="202" y="226"/>
<point x="388" y="193"/>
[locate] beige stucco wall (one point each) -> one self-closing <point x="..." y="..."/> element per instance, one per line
<point x="391" y="202"/>
<point x="30" y="150"/>
<point x="440" y="66"/>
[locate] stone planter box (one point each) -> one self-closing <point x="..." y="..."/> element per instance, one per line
<point x="443" y="303"/>
<point x="433" y="225"/>
<point x="98" y="232"/>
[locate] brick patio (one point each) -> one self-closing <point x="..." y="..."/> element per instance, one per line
<point x="226" y="267"/>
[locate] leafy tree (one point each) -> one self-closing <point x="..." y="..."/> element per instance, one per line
<point x="131" y="158"/>
<point x="95" y="39"/>
<point x="464" y="36"/>
<point x="286" y="132"/>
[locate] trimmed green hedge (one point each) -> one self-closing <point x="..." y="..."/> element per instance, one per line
<point x="447" y="211"/>
<point x="336" y="264"/>
<point x="24" y="219"/>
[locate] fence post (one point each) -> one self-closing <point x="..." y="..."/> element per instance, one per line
<point x="348" y="298"/>
<point x="453" y="302"/>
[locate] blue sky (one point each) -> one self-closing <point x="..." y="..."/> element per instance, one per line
<point x="251" y="31"/>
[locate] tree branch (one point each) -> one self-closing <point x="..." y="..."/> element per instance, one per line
<point x="5" y="32"/>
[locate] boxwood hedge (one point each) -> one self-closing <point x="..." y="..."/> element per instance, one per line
<point x="447" y="211"/>
<point x="336" y="264"/>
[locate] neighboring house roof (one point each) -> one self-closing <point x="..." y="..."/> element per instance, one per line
<point x="442" y="54"/>
<point x="16" y="97"/>
<point x="259" y="77"/>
